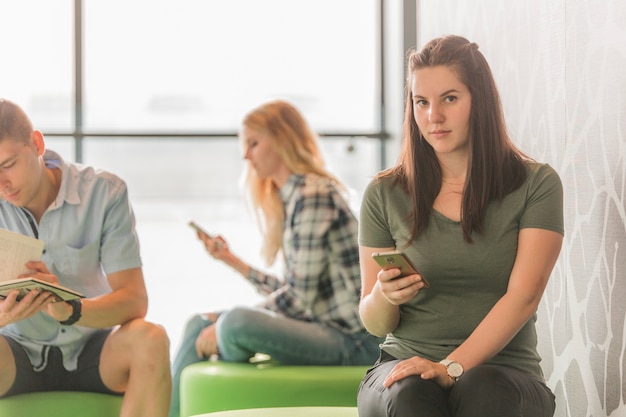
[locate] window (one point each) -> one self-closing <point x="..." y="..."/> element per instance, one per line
<point x="163" y="85"/>
<point x="197" y="65"/>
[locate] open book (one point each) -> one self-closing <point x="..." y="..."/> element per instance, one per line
<point x="15" y="250"/>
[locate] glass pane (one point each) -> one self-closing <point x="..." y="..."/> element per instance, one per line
<point x="170" y="168"/>
<point x="37" y="61"/>
<point x="178" y="168"/>
<point x="64" y="146"/>
<point x="200" y="65"/>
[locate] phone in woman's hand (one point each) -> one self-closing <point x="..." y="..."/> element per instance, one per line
<point x="397" y="259"/>
<point x="198" y="228"/>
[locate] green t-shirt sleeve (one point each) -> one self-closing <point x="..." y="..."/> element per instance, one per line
<point x="374" y="227"/>
<point x="544" y="203"/>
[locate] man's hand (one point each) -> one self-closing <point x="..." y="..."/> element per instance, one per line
<point x="40" y="271"/>
<point x="12" y="310"/>
<point x="60" y="311"/>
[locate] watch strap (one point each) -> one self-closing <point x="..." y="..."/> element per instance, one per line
<point x="446" y="362"/>
<point x="77" y="305"/>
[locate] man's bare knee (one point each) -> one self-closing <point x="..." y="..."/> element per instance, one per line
<point x="7" y="366"/>
<point x="134" y="348"/>
<point x="145" y="336"/>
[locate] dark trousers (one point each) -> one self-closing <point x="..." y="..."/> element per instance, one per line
<point x="483" y="391"/>
<point x="54" y="377"/>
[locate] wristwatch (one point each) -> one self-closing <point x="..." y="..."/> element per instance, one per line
<point x="77" y="306"/>
<point x="455" y="369"/>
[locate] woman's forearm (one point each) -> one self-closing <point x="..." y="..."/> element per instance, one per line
<point x="238" y="265"/>
<point x="495" y="331"/>
<point x="379" y="316"/>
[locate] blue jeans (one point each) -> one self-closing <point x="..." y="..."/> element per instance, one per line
<point x="244" y="331"/>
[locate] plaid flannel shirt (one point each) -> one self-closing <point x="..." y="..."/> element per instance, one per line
<point x="321" y="259"/>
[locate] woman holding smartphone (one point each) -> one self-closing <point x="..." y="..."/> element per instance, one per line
<point x="484" y="224"/>
<point x="310" y="316"/>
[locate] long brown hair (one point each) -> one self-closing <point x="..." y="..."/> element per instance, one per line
<point x="496" y="166"/>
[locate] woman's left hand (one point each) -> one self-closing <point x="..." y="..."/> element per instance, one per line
<point x="422" y="367"/>
<point x="206" y="343"/>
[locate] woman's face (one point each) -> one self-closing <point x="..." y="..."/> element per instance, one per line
<point x="441" y="107"/>
<point x="261" y="153"/>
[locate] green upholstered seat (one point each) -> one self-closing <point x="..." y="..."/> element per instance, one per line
<point x="217" y="386"/>
<point x="287" y="412"/>
<point x="61" y="404"/>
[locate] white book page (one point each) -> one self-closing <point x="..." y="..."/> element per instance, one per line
<point x="15" y="250"/>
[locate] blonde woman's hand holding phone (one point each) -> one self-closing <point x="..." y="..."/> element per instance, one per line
<point x="215" y="245"/>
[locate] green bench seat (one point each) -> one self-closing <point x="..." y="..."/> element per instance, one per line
<point x="61" y="404"/>
<point x="217" y="386"/>
<point x="287" y="412"/>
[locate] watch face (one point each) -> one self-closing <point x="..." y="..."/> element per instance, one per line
<point x="455" y="369"/>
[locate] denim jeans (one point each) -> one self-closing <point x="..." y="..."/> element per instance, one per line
<point x="244" y="331"/>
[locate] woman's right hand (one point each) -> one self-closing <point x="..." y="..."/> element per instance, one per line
<point x="399" y="290"/>
<point x="216" y="246"/>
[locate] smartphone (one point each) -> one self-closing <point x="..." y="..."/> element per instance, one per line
<point x="198" y="228"/>
<point x="397" y="259"/>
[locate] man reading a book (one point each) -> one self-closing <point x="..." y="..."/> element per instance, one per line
<point x="100" y="343"/>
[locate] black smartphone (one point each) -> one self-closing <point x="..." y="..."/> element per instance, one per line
<point x="397" y="259"/>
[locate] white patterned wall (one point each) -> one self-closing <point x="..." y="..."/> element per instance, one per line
<point x="561" y="69"/>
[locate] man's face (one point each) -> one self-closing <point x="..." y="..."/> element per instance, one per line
<point x="20" y="170"/>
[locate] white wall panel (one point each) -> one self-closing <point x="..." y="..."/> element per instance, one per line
<point x="561" y="69"/>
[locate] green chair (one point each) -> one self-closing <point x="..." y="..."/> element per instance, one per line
<point x="217" y="386"/>
<point x="287" y="412"/>
<point x="61" y="404"/>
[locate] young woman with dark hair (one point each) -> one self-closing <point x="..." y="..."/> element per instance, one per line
<point x="483" y="224"/>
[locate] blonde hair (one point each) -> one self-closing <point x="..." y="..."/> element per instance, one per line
<point x="298" y="147"/>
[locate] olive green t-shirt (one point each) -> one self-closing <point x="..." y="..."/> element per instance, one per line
<point x="466" y="279"/>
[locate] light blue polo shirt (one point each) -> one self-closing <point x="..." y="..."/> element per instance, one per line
<point x="89" y="232"/>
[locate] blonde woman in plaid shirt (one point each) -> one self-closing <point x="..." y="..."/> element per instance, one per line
<point x="310" y="316"/>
